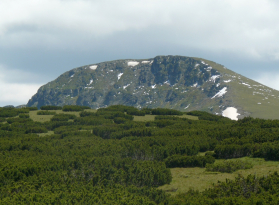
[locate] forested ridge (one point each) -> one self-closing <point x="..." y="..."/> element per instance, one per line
<point x="106" y="157"/>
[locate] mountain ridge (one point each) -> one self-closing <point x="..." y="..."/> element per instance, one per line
<point x="178" y="82"/>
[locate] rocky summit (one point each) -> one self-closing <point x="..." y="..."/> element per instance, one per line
<point x="178" y="82"/>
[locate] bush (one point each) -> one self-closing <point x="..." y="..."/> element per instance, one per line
<point x="23" y="116"/>
<point x="36" y="130"/>
<point x="188" y="161"/>
<point x="136" y="112"/>
<point x="8" y="112"/>
<point x="207" y="116"/>
<point x="45" y="112"/>
<point x="88" y="114"/>
<point x="31" y="108"/>
<point x="19" y="120"/>
<point x="228" y="166"/>
<point x="51" y="107"/>
<point x="146" y="110"/>
<point x="68" y="108"/>
<point x="63" y="117"/>
<point x="165" y="111"/>
<point x="119" y="108"/>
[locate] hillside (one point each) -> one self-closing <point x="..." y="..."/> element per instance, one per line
<point x="177" y="82"/>
<point x="76" y="155"/>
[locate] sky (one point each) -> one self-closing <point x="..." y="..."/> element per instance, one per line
<point x="42" y="39"/>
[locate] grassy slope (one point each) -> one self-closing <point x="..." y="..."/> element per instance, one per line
<point x="197" y="178"/>
<point x="247" y="99"/>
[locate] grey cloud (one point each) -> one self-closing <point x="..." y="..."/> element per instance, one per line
<point x="47" y="38"/>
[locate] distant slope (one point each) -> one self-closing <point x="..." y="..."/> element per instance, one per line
<point x="178" y="82"/>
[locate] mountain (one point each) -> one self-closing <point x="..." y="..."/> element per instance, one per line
<point x="178" y="82"/>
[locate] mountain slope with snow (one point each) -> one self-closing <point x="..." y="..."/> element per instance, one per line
<point x="177" y="82"/>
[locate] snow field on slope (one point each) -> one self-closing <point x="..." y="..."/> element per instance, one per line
<point x="119" y="75"/>
<point x="220" y="93"/>
<point x="133" y="63"/>
<point x="230" y="112"/>
<point x="93" y="67"/>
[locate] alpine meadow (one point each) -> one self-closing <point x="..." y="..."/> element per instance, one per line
<point x="167" y="130"/>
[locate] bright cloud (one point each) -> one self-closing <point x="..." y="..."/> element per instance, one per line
<point x="244" y="27"/>
<point x="47" y="36"/>
<point x="269" y="79"/>
<point x="14" y="92"/>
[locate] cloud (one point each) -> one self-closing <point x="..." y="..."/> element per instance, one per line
<point x="15" y="92"/>
<point x="269" y="79"/>
<point x="247" y="28"/>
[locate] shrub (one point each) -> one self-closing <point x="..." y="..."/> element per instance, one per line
<point x="188" y="161"/>
<point x="68" y="108"/>
<point x="165" y="111"/>
<point x="51" y="107"/>
<point x="23" y="116"/>
<point x="228" y="166"/>
<point x="136" y="112"/>
<point x="36" y="130"/>
<point x="63" y="117"/>
<point x="45" y="112"/>
<point x="31" y="108"/>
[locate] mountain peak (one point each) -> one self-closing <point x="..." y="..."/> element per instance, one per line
<point x="178" y="82"/>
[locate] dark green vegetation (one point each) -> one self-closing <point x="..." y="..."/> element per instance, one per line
<point x="177" y="82"/>
<point x="228" y="166"/>
<point x="105" y="157"/>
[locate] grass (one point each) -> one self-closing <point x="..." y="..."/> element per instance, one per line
<point x="39" y="118"/>
<point x="243" y="98"/>
<point x="189" y="117"/>
<point x="144" y="118"/>
<point x="152" y="117"/>
<point x="46" y="134"/>
<point x="197" y="178"/>
<point x="44" y="118"/>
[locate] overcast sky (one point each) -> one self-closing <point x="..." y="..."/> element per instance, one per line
<point x="41" y="39"/>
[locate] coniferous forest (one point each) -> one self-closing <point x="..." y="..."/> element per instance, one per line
<point x="81" y="156"/>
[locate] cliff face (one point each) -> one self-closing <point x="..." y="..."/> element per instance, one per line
<point x="177" y="82"/>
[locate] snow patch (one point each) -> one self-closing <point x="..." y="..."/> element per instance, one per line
<point x="220" y="93"/>
<point x="195" y="85"/>
<point x="145" y="61"/>
<point x="214" y="77"/>
<point x="167" y="82"/>
<point x="203" y="62"/>
<point x="119" y="75"/>
<point x="153" y="86"/>
<point x="187" y="106"/>
<point x="91" y="81"/>
<point x="72" y="76"/>
<point x="93" y="67"/>
<point x="125" y="86"/>
<point x="231" y="113"/>
<point x="133" y="63"/>
<point x="259" y="103"/>
<point x="227" y="81"/>
<point x="246" y="84"/>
